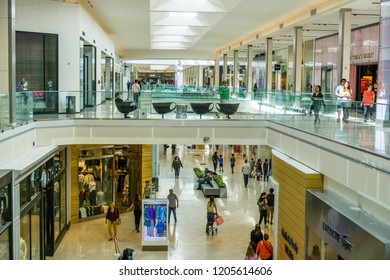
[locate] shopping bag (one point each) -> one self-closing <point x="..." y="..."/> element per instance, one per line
<point x="218" y="220"/>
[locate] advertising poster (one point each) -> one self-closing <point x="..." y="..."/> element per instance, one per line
<point x="154" y="223"/>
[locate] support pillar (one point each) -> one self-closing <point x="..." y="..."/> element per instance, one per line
<point x="344" y="47"/>
<point x="200" y="76"/>
<point x="268" y="65"/>
<point x="235" y="70"/>
<point x="249" y="71"/>
<point x="7" y="57"/>
<point x="224" y="73"/>
<point x="216" y="73"/>
<point x="297" y="60"/>
<point x="382" y="108"/>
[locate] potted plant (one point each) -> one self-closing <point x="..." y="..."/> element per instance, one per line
<point x="221" y="185"/>
<point x="199" y="173"/>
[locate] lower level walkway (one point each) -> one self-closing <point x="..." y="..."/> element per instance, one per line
<point x="187" y="238"/>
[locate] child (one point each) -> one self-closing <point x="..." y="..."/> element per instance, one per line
<point x="220" y="159"/>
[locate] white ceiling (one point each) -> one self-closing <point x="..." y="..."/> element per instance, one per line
<point x="140" y="30"/>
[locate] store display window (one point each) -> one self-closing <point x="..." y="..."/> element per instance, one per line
<point x="5" y="215"/>
<point x="95" y="180"/>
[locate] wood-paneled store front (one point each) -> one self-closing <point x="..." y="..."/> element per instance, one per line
<point x="102" y="174"/>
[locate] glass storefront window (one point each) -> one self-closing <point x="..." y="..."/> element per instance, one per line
<point x="35" y="231"/>
<point x="96" y="180"/>
<point x="4" y="245"/>
<point x="25" y="241"/>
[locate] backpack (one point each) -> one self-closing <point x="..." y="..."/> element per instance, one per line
<point x="270" y="199"/>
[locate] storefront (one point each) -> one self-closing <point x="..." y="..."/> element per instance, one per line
<point x="363" y="61"/>
<point x="105" y="174"/>
<point x="40" y="188"/>
<point x="342" y="231"/>
<point x="5" y="215"/>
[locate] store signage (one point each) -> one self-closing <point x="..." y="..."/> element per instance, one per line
<point x="340" y="238"/>
<point x="291" y="242"/>
<point x="363" y="56"/>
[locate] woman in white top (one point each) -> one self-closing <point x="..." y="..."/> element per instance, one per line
<point x="211" y="211"/>
<point x="346" y="101"/>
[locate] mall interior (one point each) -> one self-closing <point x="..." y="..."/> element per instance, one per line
<point x="68" y="150"/>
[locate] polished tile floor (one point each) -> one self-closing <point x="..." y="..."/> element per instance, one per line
<point x="187" y="238"/>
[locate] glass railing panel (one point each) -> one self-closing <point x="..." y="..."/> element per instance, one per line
<point x="24" y="104"/>
<point x="4" y="110"/>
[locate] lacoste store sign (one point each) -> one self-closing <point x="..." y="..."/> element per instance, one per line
<point x="340" y="238"/>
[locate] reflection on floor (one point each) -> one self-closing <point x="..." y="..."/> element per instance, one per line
<point x="187" y="238"/>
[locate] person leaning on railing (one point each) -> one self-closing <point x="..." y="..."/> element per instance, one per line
<point x="223" y="94"/>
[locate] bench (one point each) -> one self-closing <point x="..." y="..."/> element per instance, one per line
<point x="212" y="189"/>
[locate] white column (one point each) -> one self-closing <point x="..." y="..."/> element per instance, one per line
<point x="224" y="74"/>
<point x="216" y="73"/>
<point x="297" y="60"/>
<point x="200" y="76"/>
<point x="344" y="47"/>
<point x="179" y="76"/>
<point x="7" y="56"/>
<point x="235" y="69"/>
<point x="268" y="65"/>
<point x="249" y="74"/>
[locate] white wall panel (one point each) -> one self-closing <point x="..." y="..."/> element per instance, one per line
<point x="383" y="188"/>
<point x="334" y="166"/>
<point x="289" y="146"/>
<point x="308" y="154"/>
<point x="357" y="177"/>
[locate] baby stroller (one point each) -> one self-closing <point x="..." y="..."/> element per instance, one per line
<point x="210" y="227"/>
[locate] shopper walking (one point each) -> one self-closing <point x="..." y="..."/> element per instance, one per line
<point x="232" y="163"/>
<point x="271" y="204"/>
<point x="176" y="165"/>
<point x="317" y="99"/>
<point x="259" y="169"/>
<point x="368" y="103"/>
<point x="112" y="219"/>
<point x="346" y="101"/>
<point x="215" y="161"/>
<point x="263" y="208"/>
<point x="136" y="90"/>
<point x="250" y="254"/>
<point x="220" y="159"/>
<point x="265" y="248"/>
<point x="211" y="212"/>
<point x="137" y="207"/>
<point x="256" y="236"/>
<point x="173" y="203"/>
<point x="266" y="170"/>
<point x="246" y="171"/>
<point x="339" y="95"/>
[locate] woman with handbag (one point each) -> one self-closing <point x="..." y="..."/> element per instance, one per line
<point x="112" y="219"/>
<point x="211" y="211"/>
<point x="265" y="248"/>
<point x="346" y="100"/>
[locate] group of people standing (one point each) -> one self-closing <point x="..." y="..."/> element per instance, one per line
<point x="266" y="203"/>
<point x="344" y="95"/>
<point x="262" y="170"/>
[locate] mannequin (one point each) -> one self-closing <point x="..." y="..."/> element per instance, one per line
<point x="23" y="249"/>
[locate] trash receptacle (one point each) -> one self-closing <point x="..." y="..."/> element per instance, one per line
<point x="71" y="104"/>
<point x="181" y="111"/>
<point x="155" y="183"/>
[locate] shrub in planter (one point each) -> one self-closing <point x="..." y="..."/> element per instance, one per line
<point x="218" y="181"/>
<point x="199" y="173"/>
